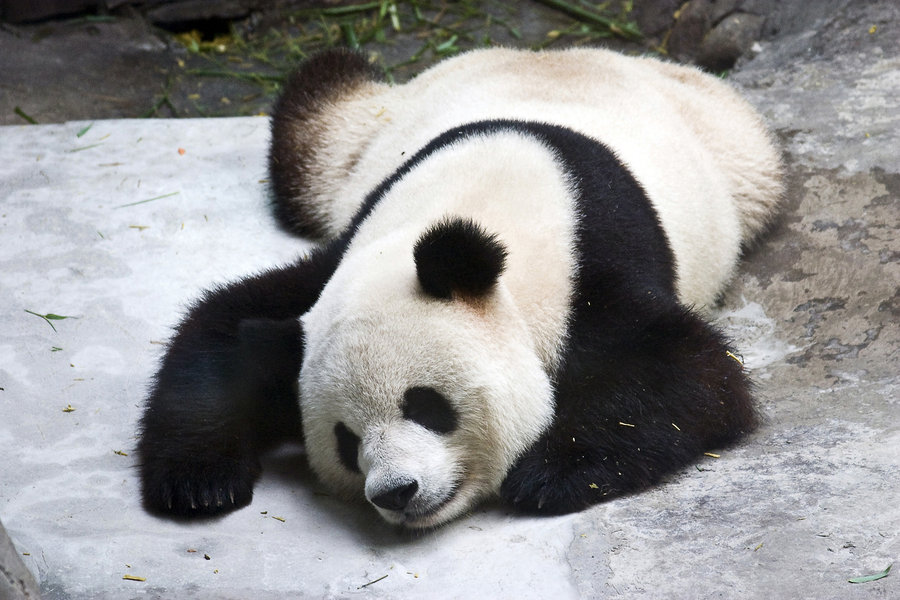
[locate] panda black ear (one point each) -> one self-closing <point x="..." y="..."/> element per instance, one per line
<point x="457" y="255"/>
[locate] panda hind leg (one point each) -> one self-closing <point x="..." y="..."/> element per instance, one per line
<point x="299" y="120"/>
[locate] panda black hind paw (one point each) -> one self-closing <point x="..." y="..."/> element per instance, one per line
<point x="190" y="490"/>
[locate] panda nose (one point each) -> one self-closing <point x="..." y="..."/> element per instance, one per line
<point x="397" y="498"/>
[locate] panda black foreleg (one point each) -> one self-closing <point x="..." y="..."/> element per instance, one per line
<point x="226" y="391"/>
<point x="629" y="414"/>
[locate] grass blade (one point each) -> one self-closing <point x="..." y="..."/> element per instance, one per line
<point x="74" y="150"/>
<point x="625" y="30"/>
<point x="147" y="200"/>
<point x="350" y="9"/>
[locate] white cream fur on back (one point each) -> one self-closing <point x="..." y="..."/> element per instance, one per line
<point x="701" y="153"/>
<point x="514" y="189"/>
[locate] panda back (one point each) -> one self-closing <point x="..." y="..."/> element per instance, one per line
<point x="698" y="150"/>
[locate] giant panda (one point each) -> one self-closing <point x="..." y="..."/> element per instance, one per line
<point x="517" y="253"/>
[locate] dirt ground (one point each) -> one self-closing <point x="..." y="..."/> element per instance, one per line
<point x="128" y="66"/>
<point x="176" y="60"/>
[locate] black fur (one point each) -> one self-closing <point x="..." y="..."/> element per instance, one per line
<point x="458" y="256"/>
<point x="644" y="387"/>
<point x="430" y="409"/>
<point x="347" y="447"/>
<point x="226" y="390"/>
<point x="631" y="411"/>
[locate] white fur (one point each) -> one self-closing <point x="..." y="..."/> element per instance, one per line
<point x="373" y="334"/>
<point x="698" y="150"/>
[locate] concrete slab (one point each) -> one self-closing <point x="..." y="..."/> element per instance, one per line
<point x="116" y="229"/>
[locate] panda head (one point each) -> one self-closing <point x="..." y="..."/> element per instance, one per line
<point x="420" y="383"/>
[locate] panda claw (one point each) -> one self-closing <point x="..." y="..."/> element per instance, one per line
<point x="177" y="488"/>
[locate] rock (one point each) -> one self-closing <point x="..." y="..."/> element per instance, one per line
<point x="833" y="90"/>
<point x="714" y="34"/>
<point x="729" y="40"/>
<point x="654" y="18"/>
<point x="116" y="74"/>
<point x="16" y="581"/>
<point x="691" y="25"/>
<point x="719" y="9"/>
<point x="190" y="11"/>
<point x="25" y="11"/>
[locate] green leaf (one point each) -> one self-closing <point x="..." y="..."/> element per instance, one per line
<point x="447" y="46"/>
<point x="49" y="317"/>
<point x="874" y="577"/>
<point x="84" y="131"/>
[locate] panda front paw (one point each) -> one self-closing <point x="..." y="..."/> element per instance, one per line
<point x="182" y="488"/>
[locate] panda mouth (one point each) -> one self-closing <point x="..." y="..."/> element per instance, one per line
<point x="422" y="515"/>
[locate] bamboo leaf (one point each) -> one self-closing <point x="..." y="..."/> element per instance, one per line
<point x="49" y="317"/>
<point x="873" y="577"/>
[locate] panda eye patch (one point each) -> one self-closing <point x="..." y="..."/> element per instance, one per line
<point x="347" y="447"/>
<point x="430" y="409"/>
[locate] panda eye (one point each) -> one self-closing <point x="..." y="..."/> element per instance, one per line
<point x="347" y="447"/>
<point x="428" y="408"/>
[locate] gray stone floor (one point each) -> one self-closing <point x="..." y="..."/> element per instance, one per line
<point x="117" y="230"/>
